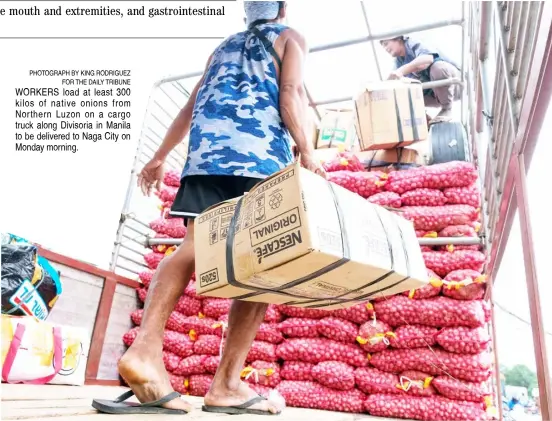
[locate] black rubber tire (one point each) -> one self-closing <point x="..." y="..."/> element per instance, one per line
<point x="449" y="142"/>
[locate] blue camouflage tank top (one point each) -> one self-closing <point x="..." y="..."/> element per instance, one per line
<point x="236" y="126"/>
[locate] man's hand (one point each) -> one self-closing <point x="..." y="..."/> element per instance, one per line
<point x="395" y="75"/>
<point x="313" y="165"/>
<point x="150" y="176"/>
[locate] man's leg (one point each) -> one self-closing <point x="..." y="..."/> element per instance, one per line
<point x="445" y="95"/>
<point x="142" y="365"/>
<point x="227" y="388"/>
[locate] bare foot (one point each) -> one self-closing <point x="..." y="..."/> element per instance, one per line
<point x="148" y="379"/>
<point x="223" y="396"/>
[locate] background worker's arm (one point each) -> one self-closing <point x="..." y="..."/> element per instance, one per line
<point x="420" y="63"/>
<point x="181" y="124"/>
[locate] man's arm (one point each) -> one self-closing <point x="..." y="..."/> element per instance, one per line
<point x="293" y="98"/>
<point x="181" y="124"/>
<point x="424" y="58"/>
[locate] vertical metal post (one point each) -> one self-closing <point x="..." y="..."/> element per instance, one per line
<point x="495" y="352"/>
<point x="373" y="43"/>
<point x="541" y="357"/>
<point x="130" y="188"/>
<point x="463" y="65"/>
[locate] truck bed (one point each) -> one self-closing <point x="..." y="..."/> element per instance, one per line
<point x="72" y="403"/>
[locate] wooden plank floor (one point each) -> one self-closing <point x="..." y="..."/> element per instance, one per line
<point x="73" y="403"/>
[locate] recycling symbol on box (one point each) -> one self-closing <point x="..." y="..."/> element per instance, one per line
<point x="275" y="200"/>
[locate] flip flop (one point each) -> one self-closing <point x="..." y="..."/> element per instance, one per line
<point x="244" y="408"/>
<point x="119" y="406"/>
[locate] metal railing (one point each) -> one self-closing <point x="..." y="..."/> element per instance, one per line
<point x="131" y="244"/>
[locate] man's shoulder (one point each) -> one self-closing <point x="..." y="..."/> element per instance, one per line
<point x="293" y="34"/>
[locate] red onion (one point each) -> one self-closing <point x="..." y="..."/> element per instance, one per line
<point x="359" y="313"/>
<point x="442" y="262"/>
<point x="413" y="336"/>
<point x="434" y="362"/>
<point x="153" y="259"/>
<point x="273" y="315"/>
<point x="315" y="350"/>
<point x="335" y="375"/>
<point x="461" y="390"/>
<point x="438" y="176"/>
<point x="171" y="178"/>
<point x="464" y="284"/>
<point x="207" y="345"/>
<point x="371" y="380"/>
<point x="343" y="161"/>
<point x="262" y="351"/>
<point x="178" y="343"/>
<point x="268" y="332"/>
<point x="199" y="384"/>
<point x="263" y="373"/>
<point x="216" y="307"/>
<point x="365" y="184"/>
<point x="309" y="313"/>
<point x="297" y="327"/>
<point x="386" y="198"/>
<point x="434" y="408"/>
<point x="171" y="361"/>
<point x="432" y="289"/>
<point x="435" y="218"/>
<point x="437" y="312"/>
<point x="175" y="322"/>
<point x="315" y="396"/>
<point x="297" y="370"/>
<point x="463" y="340"/>
<point x="146" y="277"/>
<point x="469" y="195"/>
<point x="374" y="336"/>
<point x="191" y="365"/>
<point x="338" y="329"/>
<point x="423" y="197"/>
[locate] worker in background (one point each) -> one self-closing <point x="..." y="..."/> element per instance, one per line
<point x="241" y="117"/>
<point x="415" y="60"/>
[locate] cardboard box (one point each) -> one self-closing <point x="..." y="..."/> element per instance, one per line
<point x="298" y="239"/>
<point x="390" y="114"/>
<point x="337" y="129"/>
<point x="387" y="159"/>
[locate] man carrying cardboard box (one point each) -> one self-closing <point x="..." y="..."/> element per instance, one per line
<point x="415" y="60"/>
<point x="241" y="117"/>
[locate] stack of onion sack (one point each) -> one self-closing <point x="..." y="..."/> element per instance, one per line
<point x="165" y="226"/>
<point x="194" y="338"/>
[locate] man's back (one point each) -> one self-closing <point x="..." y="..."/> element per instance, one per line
<point x="237" y="128"/>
